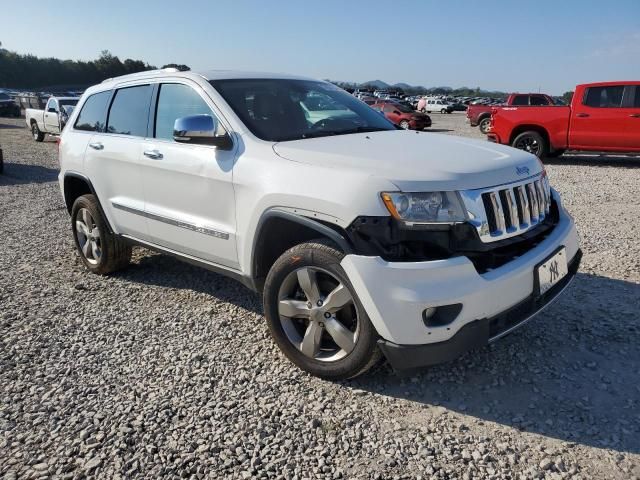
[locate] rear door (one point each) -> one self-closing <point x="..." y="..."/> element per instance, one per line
<point x="601" y="119"/>
<point x="113" y="159"/>
<point x="391" y="112"/>
<point x="190" y="201"/>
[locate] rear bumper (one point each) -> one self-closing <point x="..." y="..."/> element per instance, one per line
<point x="477" y="333"/>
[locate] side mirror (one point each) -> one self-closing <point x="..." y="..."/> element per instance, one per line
<point x="200" y="130"/>
<point x="52" y="110"/>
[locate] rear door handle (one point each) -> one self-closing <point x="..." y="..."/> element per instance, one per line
<point x="582" y="115"/>
<point x="96" y="146"/>
<point x="154" y="154"/>
<point x="634" y="115"/>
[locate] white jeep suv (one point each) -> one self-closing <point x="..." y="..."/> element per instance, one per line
<point x="364" y="240"/>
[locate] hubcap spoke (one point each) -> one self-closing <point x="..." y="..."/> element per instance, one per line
<point x="86" y="248"/>
<point x="95" y="250"/>
<point x="86" y="218"/>
<point x="344" y="337"/>
<point x="82" y="228"/>
<point x="337" y="299"/>
<point x="309" y="284"/>
<point x="293" y="308"/>
<point x="311" y="341"/>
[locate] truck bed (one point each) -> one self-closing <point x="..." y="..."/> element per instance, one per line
<point x="507" y="122"/>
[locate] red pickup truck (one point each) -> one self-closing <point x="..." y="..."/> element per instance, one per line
<point x="602" y="117"/>
<point x="481" y="114"/>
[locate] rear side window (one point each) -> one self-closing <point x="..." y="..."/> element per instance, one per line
<point x="175" y="101"/>
<point x="93" y="114"/>
<point x="538" y="100"/>
<point x="604" y="97"/>
<point x="129" y="112"/>
<point x="520" y="100"/>
<point x="636" y="99"/>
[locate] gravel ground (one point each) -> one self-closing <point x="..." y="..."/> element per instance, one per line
<point x="167" y="370"/>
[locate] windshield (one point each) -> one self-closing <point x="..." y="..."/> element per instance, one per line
<point x="280" y="109"/>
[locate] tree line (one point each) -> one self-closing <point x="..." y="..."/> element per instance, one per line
<point x="24" y="71"/>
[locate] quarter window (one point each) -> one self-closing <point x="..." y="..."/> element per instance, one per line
<point x="176" y="101"/>
<point x="129" y="112"/>
<point x="604" y="97"/>
<point x="93" y="113"/>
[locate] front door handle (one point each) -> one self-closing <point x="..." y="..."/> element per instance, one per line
<point x="96" y="146"/>
<point x="153" y="154"/>
<point x="634" y="115"/>
<point x="582" y="115"/>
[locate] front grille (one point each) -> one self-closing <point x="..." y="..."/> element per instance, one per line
<point x="509" y="210"/>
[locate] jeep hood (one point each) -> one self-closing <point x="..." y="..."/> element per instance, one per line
<point x="416" y="161"/>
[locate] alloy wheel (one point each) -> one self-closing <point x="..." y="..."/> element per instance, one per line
<point x="88" y="235"/>
<point x="318" y="314"/>
<point x="528" y="144"/>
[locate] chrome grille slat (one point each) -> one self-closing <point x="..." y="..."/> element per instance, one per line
<point x="525" y="221"/>
<point x="497" y="211"/>
<point x="533" y="203"/>
<point x="508" y="210"/>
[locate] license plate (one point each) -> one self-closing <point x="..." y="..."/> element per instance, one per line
<point x="552" y="270"/>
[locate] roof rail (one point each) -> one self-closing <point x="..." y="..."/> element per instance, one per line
<point x="143" y="72"/>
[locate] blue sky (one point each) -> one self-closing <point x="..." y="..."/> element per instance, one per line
<point x="506" y="45"/>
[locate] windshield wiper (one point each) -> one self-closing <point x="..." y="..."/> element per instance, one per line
<point x="328" y="133"/>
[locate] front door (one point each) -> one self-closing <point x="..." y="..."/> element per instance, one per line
<point x="189" y="196"/>
<point x="51" y="112"/>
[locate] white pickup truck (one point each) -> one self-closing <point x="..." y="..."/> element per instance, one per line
<point x="364" y="240"/>
<point x="52" y="119"/>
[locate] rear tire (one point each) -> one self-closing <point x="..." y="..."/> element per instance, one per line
<point x="443" y="111"/>
<point x="484" y="125"/>
<point x="336" y="344"/>
<point x="532" y="142"/>
<point x="38" y="136"/>
<point x="101" y="251"/>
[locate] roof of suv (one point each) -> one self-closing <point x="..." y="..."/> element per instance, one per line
<point x="208" y="75"/>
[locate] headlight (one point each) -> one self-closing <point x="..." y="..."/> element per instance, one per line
<point x="424" y="207"/>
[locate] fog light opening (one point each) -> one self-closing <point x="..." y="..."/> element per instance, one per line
<point x="441" y="316"/>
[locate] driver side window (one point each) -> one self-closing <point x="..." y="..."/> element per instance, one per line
<point x="176" y="100"/>
<point x="52" y="104"/>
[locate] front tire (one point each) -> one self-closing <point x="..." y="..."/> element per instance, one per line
<point x="484" y="125"/>
<point x="405" y="124"/>
<point x="101" y="251"/>
<point x="38" y="136"/>
<point x="532" y="142"/>
<point x="315" y="316"/>
<point x="443" y="111"/>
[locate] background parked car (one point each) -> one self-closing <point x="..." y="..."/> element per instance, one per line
<point x="52" y="119"/>
<point x="403" y="116"/>
<point x="8" y="107"/>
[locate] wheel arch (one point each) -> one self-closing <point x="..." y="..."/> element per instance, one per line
<point x="75" y="185"/>
<point x="279" y="230"/>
